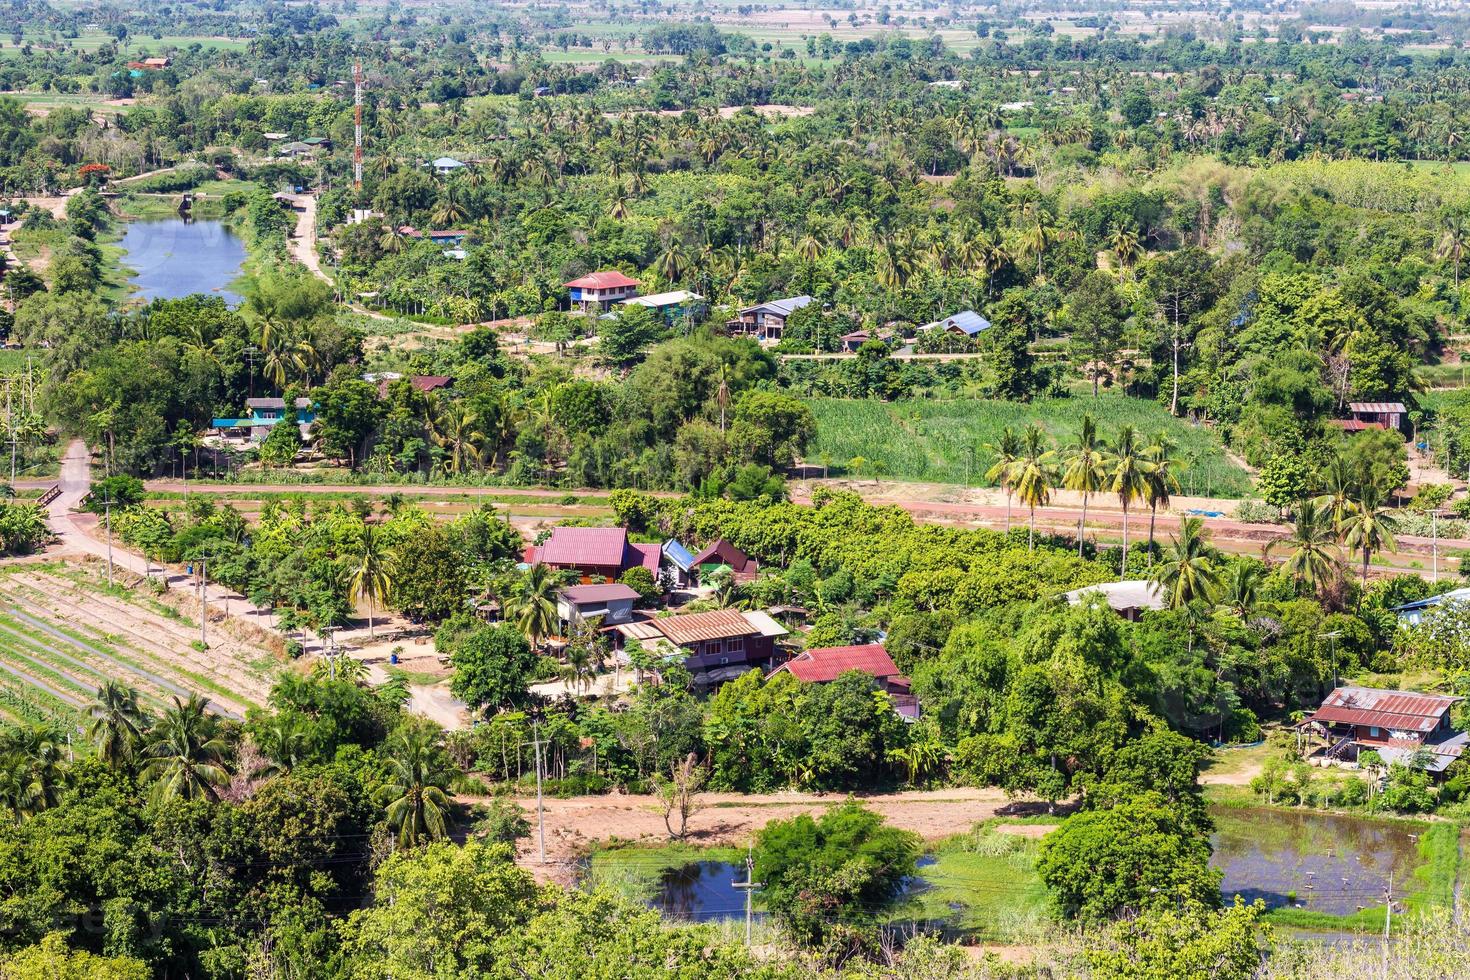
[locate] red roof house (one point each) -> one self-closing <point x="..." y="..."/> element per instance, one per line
<point x="1396" y="724"/>
<point x="596" y="291"/>
<point x="604" y="551"/>
<point x="721" y="552"/>
<point x="421" y="382"/>
<point x="823" y="665"/>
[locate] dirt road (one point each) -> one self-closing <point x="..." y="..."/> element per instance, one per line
<point x="572" y="825"/>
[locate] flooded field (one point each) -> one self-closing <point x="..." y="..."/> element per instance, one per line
<point x="1322" y="862"/>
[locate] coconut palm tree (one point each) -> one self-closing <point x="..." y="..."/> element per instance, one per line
<point x="530" y="604"/>
<point x="416" y="792"/>
<point x="368" y="564"/>
<point x="1128" y="477"/>
<point x="1085" y="470"/>
<point x="1454" y="241"/>
<point x="1339" y="486"/>
<point x="1368" y="526"/>
<point x="456" y="429"/>
<point x="1241" y="586"/>
<point x="282" y="741"/>
<point x="31" y="773"/>
<point x="118" y="723"/>
<point x="1035" y="473"/>
<point x="185" y="755"/>
<point x="1188" y="571"/>
<point x="1312" y="557"/>
<point x="1007" y="452"/>
<point x="1160" y="481"/>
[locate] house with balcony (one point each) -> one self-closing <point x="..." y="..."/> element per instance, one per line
<point x="765" y="322"/>
<point x="261" y="415"/>
<point x="1403" y="727"/>
<point x="595" y="292"/>
<point x="719" y="645"/>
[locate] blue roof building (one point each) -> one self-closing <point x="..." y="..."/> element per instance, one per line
<point x="1412" y="613"/>
<point x="966" y="322"/>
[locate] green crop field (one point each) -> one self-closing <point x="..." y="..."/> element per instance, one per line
<point x="934" y="441"/>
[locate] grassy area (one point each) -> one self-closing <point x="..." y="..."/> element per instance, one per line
<point x="946" y="441"/>
<point x="983" y="882"/>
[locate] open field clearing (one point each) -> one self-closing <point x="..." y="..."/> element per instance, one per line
<point x="946" y="441"/>
<point x="63" y="632"/>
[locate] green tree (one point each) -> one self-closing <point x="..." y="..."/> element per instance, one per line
<point x="1085" y="470"/>
<point x="439" y="912"/>
<point x="1188" y="570"/>
<point x="1311" y="548"/>
<point x="1284" y="480"/>
<point x="1130" y="466"/>
<point x="369" y="568"/>
<point x="834" y="870"/>
<point x="1368" y="526"/>
<point x="1095" y="314"/>
<point x="492" y="664"/>
<point x="419" y="807"/>
<point x="531" y="603"/>
<point x="51" y="959"/>
<point x="1191" y="942"/>
<point x="117" y="723"/>
<point x="1035" y="474"/>
<point x="1128" y="858"/>
<point x="185" y="756"/>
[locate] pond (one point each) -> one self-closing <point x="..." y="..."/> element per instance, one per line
<point x="704" y="891"/>
<point x="175" y="258"/>
<point x="1330" y="863"/>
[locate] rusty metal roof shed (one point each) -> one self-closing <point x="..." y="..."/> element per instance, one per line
<point x="1395" y="710"/>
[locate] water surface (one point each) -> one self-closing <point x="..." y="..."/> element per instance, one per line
<point x="174" y="258"/>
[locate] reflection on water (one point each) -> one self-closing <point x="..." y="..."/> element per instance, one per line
<point x="704" y="891"/>
<point x="174" y="258"/>
<point x="1332" y="863"/>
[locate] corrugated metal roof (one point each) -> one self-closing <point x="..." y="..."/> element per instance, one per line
<point x="825" y="664"/>
<point x="780" y="307"/>
<point x="1377" y="408"/>
<point x="607" y="592"/>
<point x="967" y="321"/>
<point x="601" y="280"/>
<point x="647" y="555"/>
<point x="765" y="624"/>
<point x="663" y="299"/>
<point x="584" y="546"/>
<point x="1384" y="709"/>
<point x="691" y="628"/>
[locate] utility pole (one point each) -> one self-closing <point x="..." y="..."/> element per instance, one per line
<point x="1387" y="922"/>
<point x="107" y="506"/>
<point x="203" y="603"/>
<point x="357" y="125"/>
<point x="1434" y="539"/>
<point x="749" y="886"/>
<point x="540" y="811"/>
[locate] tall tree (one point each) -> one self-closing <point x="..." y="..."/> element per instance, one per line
<point x="1085" y="470"/>
<point x="1003" y="470"/>
<point x="369" y="561"/>
<point x="1161" y="480"/>
<point x="416" y="791"/>
<point x="185" y="756"/>
<point x="1035" y="473"/>
<point x="1312" y="556"/>
<point x="1188" y="570"/>
<point x="118" y="723"/>
<point x="1129" y="470"/>
<point x="1368" y="526"/>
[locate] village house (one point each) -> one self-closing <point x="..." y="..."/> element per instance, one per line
<point x="673" y="306"/>
<point x="596" y="291"/>
<point x="592" y="552"/>
<point x="1130" y="599"/>
<point x="966" y="323"/>
<point x="1375" y="415"/>
<point x="262" y="415"/>
<point x="1398" y="725"/>
<point x="151" y="64"/>
<point x="679" y="564"/>
<point x="424" y="383"/>
<point x="612" y="601"/>
<point x="1413" y="613"/>
<point x="721" y="644"/>
<point x="444" y="166"/>
<point x="766" y="321"/>
<point x="720" y="553"/>
<point x="823" y="665"/>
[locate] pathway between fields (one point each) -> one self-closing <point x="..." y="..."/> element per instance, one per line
<point x="81" y="534"/>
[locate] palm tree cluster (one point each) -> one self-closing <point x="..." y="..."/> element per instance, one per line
<point x="1350" y="513"/>
<point x="188" y="752"/>
<point x="1029" y="467"/>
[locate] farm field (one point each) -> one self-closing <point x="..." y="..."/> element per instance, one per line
<point x="945" y="441"/>
<point x="63" y="632"/>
